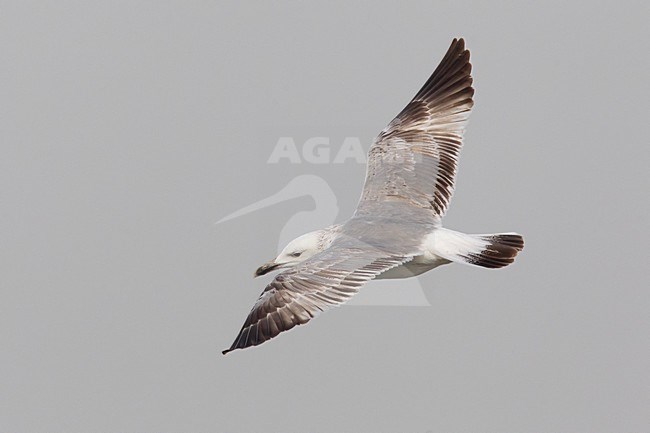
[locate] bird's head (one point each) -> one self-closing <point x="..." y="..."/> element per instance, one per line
<point x="298" y="250"/>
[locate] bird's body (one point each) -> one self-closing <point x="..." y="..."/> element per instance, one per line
<point x="428" y="260"/>
<point x="396" y="231"/>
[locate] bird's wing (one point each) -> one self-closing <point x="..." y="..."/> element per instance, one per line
<point x="414" y="159"/>
<point x="299" y="294"/>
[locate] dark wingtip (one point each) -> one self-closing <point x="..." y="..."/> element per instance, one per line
<point x="458" y="44"/>
<point x="451" y="77"/>
<point x="223" y="352"/>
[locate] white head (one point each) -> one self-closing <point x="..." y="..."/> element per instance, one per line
<point x="298" y="250"/>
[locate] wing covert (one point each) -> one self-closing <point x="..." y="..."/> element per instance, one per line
<point x="415" y="158"/>
<point x="299" y="294"/>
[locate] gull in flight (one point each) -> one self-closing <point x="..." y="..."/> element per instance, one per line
<point x="396" y="230"/>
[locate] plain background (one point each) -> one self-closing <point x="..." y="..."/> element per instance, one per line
<point x="129" y="128"/>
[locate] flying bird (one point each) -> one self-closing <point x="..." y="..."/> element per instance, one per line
<point x="396" y="230"/>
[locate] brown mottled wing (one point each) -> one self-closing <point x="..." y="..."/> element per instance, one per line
<point x="299" y="294"/>
<point x="414" y="159"/>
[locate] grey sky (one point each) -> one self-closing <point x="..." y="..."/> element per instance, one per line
<point x="128" y="128"/>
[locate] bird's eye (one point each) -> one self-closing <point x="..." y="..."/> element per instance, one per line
<point x="296" y="254"/>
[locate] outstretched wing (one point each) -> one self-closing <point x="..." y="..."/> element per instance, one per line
<point x="299" y="294"/>
<point x="415" y="158"/>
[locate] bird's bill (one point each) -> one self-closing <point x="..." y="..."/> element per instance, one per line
<point x="266" y="268"/>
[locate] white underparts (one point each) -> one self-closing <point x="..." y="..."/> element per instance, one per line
<point x="430" y="259"/>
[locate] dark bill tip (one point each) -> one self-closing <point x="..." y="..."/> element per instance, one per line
<point x="265" y="269"/>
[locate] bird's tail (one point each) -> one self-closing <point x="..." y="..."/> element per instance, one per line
<point x="488" y="251"/>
